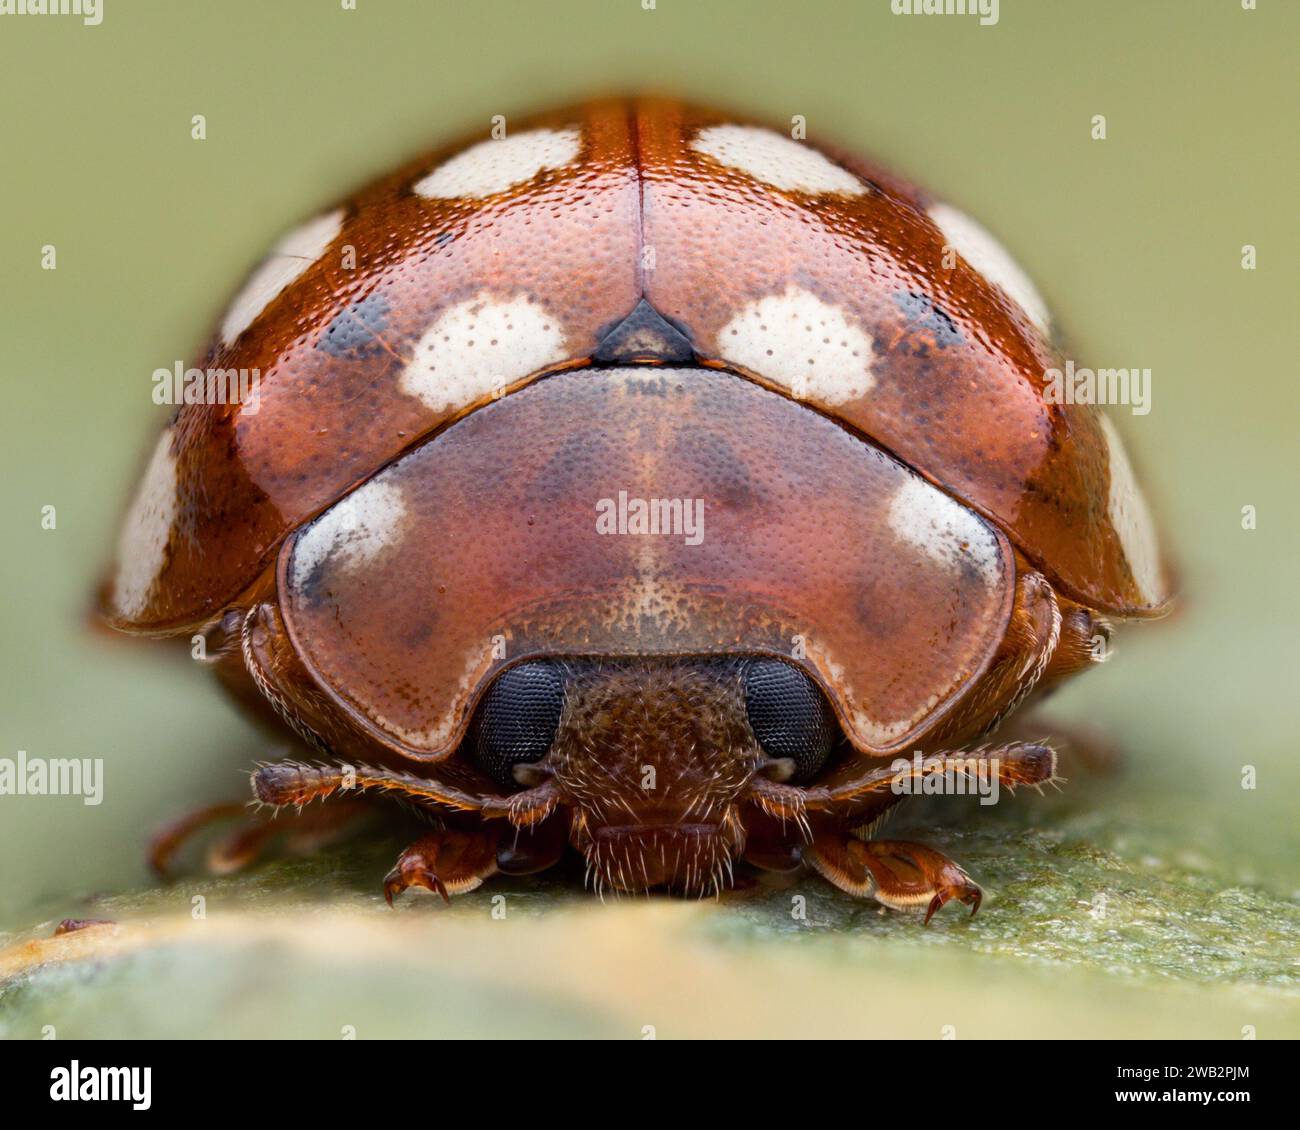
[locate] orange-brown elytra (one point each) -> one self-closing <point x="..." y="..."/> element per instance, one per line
<point x="643" y="483"/>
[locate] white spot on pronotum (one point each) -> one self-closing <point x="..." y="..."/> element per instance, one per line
<point x="1131" y="518"/>
<point x="288" y="259"/>
<point x="353" y="531"/>
<point x="943" y="529"/>
<point x="477" y="348"/>
<point x="979" y="248"/>
<point x="142" y="549"/>
<point x="477" y="663"/>
<point x="494" y="166"/>
<point x="796" y="340"/>
<point x="777" y="160"/>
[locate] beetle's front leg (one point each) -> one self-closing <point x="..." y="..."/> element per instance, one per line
<point x="897" y="874"/>
<point x="448" y="862"/>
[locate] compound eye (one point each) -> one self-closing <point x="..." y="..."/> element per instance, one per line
<point x="516" y="719"/>
<point x="789" y="715"/>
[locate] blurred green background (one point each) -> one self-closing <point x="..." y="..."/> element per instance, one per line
<point x="1136" y="241"/>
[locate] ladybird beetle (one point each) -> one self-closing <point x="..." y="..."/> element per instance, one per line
<point x="641" y="484"/>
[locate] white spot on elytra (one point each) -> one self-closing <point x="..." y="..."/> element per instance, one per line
<point x="776" y="159"/>
<point x="355" y="530"/>
<point x="497" y="165"/>
<point x="943" y="529"/>
<point x="983" y="252"/>
<point x="477" y="348"/>
<point x="142" y="547"/>
<point x="288" y="259"/>
<point x="798" y="341"/>
<point x="1131" y="517"/>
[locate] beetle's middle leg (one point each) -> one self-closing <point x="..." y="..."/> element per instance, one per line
<point x="252" y="834"/>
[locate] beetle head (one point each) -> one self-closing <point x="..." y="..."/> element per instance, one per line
<point x="651" y="757"/>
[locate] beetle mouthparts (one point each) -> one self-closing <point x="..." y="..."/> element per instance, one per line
<point x="687" y="858"/>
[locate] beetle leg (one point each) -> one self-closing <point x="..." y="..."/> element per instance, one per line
<point x="1015" y="763"/>
<point x="897" y="874"/>
<point x="1080" y="745"/>
<point x="447" y="862"/>
<point x="171" y="837"/>
<point x="1085" y="640"/>
<point x="302" y="832"/>
<point x="241" y="847"/>
<point x="295" y="783"/>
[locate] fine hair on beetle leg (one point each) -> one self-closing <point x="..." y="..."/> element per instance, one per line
<point x="1018" y="763"/>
